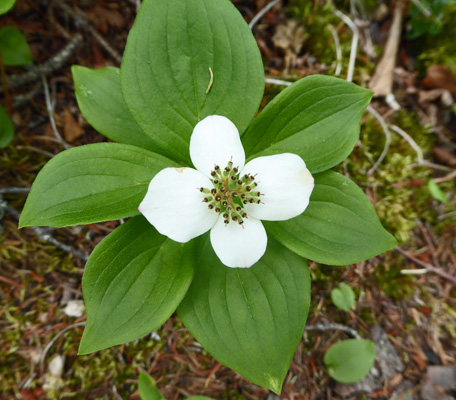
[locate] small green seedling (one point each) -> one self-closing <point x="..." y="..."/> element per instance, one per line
<point x="350" y="360"/>
<point x="148" y="390"/>
<point x="436" y="192"/>
<point x="343" y="297"/>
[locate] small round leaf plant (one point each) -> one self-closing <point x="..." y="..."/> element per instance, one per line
<point x="224" y="207"/>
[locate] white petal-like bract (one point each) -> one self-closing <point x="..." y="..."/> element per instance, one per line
<point x="237" y="246"/>
<point x="174" y="205"/>
<point x="286" y="184"/>
<point x="215" y="141"/>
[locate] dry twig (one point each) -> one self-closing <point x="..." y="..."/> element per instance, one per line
<point x="53" y="64"/>
<point x="261" y="13"/>
<point x="50" y="110"/>
<point x="331" y="326"/>
<point x="338" y="50"/>
<point x="354" y="45"/>
<point x="52" y="341"/>
<point x="43" y="234"/>
<point x="428" y="267"/>
<point x="83" y="22"/>
<point x="382" y="122"/>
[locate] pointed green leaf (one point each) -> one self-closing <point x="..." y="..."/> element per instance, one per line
<point x="166" y="70"/>
<point x="147" y="388"/>
<point x="132" y="283"/>
<point x="339" y="227"/>
<point x="93" y="183"/>
<point x="436" y="192"/>
<point x="14" y="47"/>
<point x="343" y="297"/>
<point x="349" y="361"/>
<point x="6" y="129"/>
<point x="317" y="117"/>
<point x="251" y="320"/>
<point x="101" y="102"/>
<point x="6" y="5"/>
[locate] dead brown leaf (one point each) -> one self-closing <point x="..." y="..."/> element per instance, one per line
<point x="71" y="130"/>
<point x="439" y="76"/>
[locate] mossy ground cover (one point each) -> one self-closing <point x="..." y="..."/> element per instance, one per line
<point x="37" y="279"/>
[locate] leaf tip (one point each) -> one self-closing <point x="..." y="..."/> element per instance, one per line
<point x="273" y="384"/>
<point x="86" y="346"/>
<point x="24" y="221"/>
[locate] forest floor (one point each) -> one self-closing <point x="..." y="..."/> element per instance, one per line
<point x="406" y="298"/>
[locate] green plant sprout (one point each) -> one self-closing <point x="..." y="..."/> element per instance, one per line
<point x="190" y="149"/>
<point x="350" y="360"/>
<point x="343" y="297"/>
<point x="148" y="390"/>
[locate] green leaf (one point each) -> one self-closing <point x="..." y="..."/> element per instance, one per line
<point x="251" y="320"/>
<point x="6" y="129"/>
<point x="436" y="192"/>
<point x="100" y="99"/>
<point x="134" y="280"/>
<point x="317" y="117"/>
<point x="14" y="47"/>
<point x="349" y="361"/>
<point x="343" y="297"/>
<point x="147" y="388"/>
<point x="165" y="76"/>
<point x="6" y="5"/>
<point x="339" y="227"/>
<point x="93" y="183"/>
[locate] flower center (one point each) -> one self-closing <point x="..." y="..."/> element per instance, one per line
<point x="231" y="193"/>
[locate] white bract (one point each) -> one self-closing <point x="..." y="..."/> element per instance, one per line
<point x="226" y="195"/>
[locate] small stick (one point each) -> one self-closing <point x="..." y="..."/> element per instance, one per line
<point x="277" y="82"/>
<point x="262" y="12"/>
<point x="410" y="141"/>
<point x="382" y="122"/>
<point x="427" y="266"/>
<point x="338" y="50"/>
<point x="414" y="271"/>
<point x="338" y="327"/>
<point x="80" y="19"/>
<point x="52" y="341"/>
<point x="449" y="177"/>
<point x="14" y="190"/>
<point x="354" y="45"/>
<point x="43" y="234"/>
<point x="51" y="65"/>
<point x="50" y="111"/>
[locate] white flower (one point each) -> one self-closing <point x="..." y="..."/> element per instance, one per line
<point x="226" y="196"/>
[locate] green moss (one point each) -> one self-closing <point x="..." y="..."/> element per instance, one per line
<point x="388" y="278"/>
<point x="398" y="187"/>
<point x="440" y="47"/>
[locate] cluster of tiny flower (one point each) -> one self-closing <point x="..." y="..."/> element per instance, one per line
<point x="230" y="193"/>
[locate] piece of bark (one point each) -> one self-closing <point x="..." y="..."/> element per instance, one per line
<point x="444" y="156"/>
<point x="382" y="82"/>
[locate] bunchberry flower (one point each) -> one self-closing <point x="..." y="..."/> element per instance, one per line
<point x="226" y="195"/>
